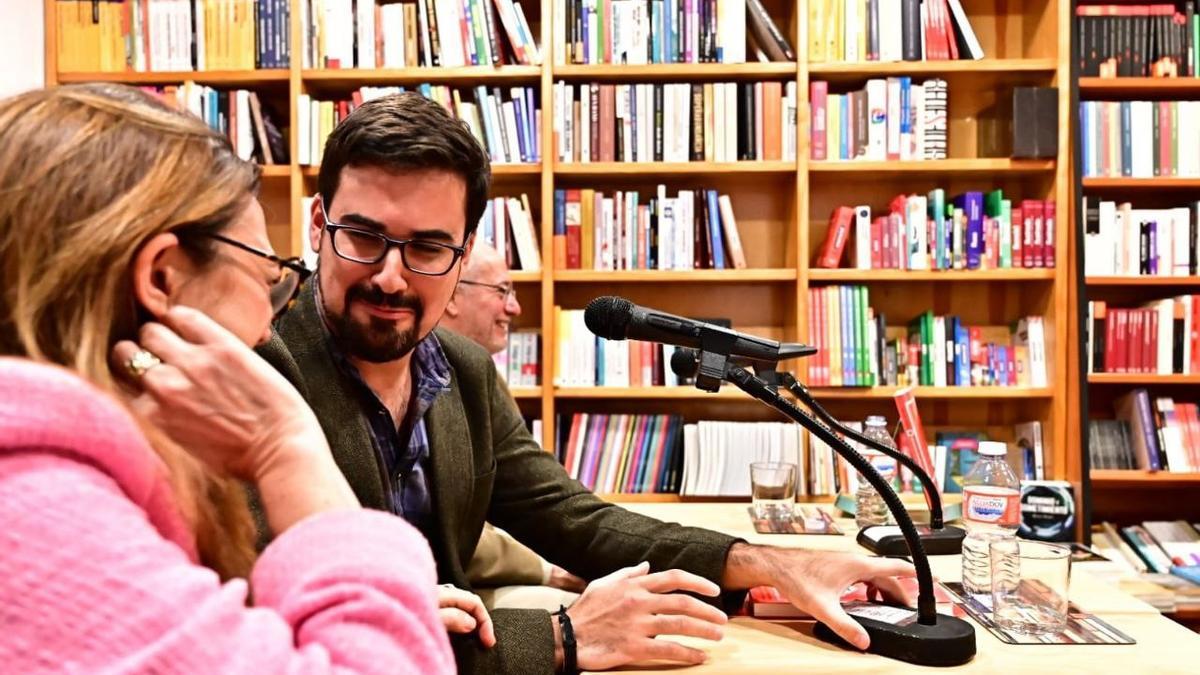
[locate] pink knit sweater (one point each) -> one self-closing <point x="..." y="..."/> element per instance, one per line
<point x="98" y="572"/>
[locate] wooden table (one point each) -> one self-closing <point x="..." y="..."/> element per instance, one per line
<point x="758" y="646"/>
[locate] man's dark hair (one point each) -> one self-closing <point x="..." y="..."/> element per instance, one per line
<point x="408" y="131"/>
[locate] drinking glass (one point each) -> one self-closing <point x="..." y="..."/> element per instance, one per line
<point x="1029" y="585"/>
<point x="773" y="489"/>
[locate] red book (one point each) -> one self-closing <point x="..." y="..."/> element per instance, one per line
<point x="574" y="226"/>
<point x="1010" y="366"/>
<point x="1048" y="226"/>
<point x="1195" y="336"/>
<point x="877" y="229"/>
<point x="1152" y="342"/>
<point x="914" y="432"/>
<point x="1018" y="243"/>
<point x="951" y="42"/>
<point x="1164" y="167"/>
<point x="817" y="92"/>
<point x="836" y="237"/>
<point x="1111" y="352"/>
<point x="1031" y="212"/>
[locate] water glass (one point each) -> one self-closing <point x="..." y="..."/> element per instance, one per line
<point x="773" y="489"/>
<point x="1029" y="585"/>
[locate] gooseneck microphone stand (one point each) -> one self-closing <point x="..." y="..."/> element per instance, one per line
<point x="938" y="538"/>
<point x="929" y="638"/>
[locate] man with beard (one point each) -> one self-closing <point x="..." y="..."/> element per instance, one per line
<point x="421" y="425"/>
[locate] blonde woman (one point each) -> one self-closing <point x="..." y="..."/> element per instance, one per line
<point x="134" y="254"/>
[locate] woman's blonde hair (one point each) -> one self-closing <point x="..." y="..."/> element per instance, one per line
<point x="88" y="174"/>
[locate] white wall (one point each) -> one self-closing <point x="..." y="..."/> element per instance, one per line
<point x="22" y="46"/>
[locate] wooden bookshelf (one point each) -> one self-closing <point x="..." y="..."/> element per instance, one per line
<point x="1160" y="183"/>
<point x="1143" y="281"/>
<point x="781" y="207"/>
<point x="1115" y="478"/>
<point x="1141" y="379"/>
<point x="1132" y="87"/>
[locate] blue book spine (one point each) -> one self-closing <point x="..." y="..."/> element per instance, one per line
<point x="714" y="227"/>
<point x="485" y="224"/>
<point x="560" y="213"/>
<point x="1085" y="137"/>
<point x="906" y="117"/>
<point x="531" y="120"/>
<point x="671" y="18"/>
<point x="973" y="208"/>
<point x="656" y="31"/>
<point x="600" y="351"/>
<point x="519" y="112"/>
<point x="1152" y="253"/>
<point x="962" y="348"/>
<point x="844" y="128"/>
<point x="848" y="377"/>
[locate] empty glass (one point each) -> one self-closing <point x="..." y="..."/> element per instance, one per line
<point x="773" y="489"/>
<point x="1029" y="585"/>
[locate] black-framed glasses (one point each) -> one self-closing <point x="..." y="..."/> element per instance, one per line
<point x="505" y="290"/>
<point x="292" y="273"/>
<point x="360" y="245"/>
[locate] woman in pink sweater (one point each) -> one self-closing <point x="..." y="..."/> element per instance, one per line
<point x="134" y="253"/>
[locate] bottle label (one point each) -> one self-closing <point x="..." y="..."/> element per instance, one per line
<point x="993" y="506"/>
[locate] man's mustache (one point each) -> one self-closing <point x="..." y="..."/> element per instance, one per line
<point x="375" y="296"/>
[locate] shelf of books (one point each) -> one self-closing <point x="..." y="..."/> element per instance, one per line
<point x="1137" y="214"/>
<point x="823" y="171"/>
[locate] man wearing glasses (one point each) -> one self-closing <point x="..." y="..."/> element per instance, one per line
<point x="422" y="426"/>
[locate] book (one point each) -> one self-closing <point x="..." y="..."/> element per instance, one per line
<point x="1047" y="511"/>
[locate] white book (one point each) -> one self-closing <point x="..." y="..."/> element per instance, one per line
<point x="691" y="443"/>
<point x="789" y="122"/>
<point x="890" y="46"/>
<point x="644" y="118"/>
<point x="585" y="115"/>
<point x="973" y="49"/>
<point x="850" y="25"/>
<point x="1101" y="259"/>
<point x="731" y="115"/>
<point x="733" y="238"/>
<point x="732" y="31"/>
<point x="918" y="232"/>
<point x="304" y="122"/>
<point x="877" y="120"/>
<point x="523" y="236"/>
<point x="917" y="98"/>
<point x="893" y="118"/>
<point x="366" y="34"/>
<point x="666" y="236"/>
<point x="1181" y="239"/>
<point x="1037" y="348"/>
<point x="559" y="36"/>
<point x="453" y="51"/>
<point x="1166" y="315"/>
<point x="1187" y="300"/>
<point x="1142" y="139"/>
<point x="862" y="237"/>
<point x="245" y="130"/>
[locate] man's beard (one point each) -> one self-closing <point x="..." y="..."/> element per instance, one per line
<point x="377" y="341"/>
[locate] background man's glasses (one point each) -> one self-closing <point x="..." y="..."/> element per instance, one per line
<point x="505" y="290"/>
<point x="292" y="274"/>
<point x="359" y="245"/>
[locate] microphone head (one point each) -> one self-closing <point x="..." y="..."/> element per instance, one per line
<point x="608" y="317"/>
<point x="685" y="361"/>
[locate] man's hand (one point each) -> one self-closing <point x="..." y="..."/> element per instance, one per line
<point x="618" y="617"/>
<point x="814" y="581"/>
<point x="463" y="612"/>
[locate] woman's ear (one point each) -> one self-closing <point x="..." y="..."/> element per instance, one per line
<point x="158" y="270"/>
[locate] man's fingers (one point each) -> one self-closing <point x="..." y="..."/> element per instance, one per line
<point x="840" y="622"/>
<point x="665" y="650"/>
<point x="456" y="620"/>
<point x="686" y="605"/>
<point x="888" y="567"/>
<point x="675" y="624"/>
<point x="678" y="580"/>
<point x="894" y="591"/>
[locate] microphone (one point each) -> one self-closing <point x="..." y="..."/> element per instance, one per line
<point x="616" y="318"/>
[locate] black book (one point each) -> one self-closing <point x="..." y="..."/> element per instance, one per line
<point x="652" y="242"/>
<point x="658" y="122"/>
<point x="746" y="131"/>
<point x="1193" y="226"/>
<point x="1143" y="248"/>
<point x="1141" y="45"/>
<point x="872" y="30"/>
<point x="910" y="29"/>
<point x="1177" y="346"/>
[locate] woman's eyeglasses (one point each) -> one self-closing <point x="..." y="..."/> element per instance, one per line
<point x="292" y="273"/>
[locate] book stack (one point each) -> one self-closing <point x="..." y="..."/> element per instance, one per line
<point x="665" y="122"/>
<point x="1151" y="434"/>
<point x="889" y="30"/>
<point x="971" y="231"/>
<point x="717" y="455"/>
<point x="505" y="122"/>
<point x="666" y="31"/>
<point x="1140" y="139"/>
<point x="1138" y="40"/>
<point x="584" y="360"/>
<point x="239" y="114"/>
<point x="890" y="119"/>
<point x="1136" y="552"/>
<point x="628" y="454"/>
<point x="507" y="225"/>
<point x="364" y="34"/>
<point x="695" y="229"/>
<point x="1120" y="240"/>
<point x="149" y="36"/>
<point x="858" y="349"/>
<point x="519" y="364"/>
<point x="1161" y="337"/>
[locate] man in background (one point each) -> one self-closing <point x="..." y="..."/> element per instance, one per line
<point x="483" y="308"/>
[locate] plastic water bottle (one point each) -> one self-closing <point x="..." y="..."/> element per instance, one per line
<point x="991" y="511"/>
<point x="870" y="508"/>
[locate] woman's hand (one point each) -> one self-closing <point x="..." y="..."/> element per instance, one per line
<point x="226" y="406"/>
<point x="217" y="398"/>
<point x="463" y="612"/>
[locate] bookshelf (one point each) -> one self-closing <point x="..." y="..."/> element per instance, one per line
<point x="1127" y="496"/>
<point x="782" y="210"/>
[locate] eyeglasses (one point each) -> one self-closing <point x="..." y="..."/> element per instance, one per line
<point x="292" y="273"/>
<point x="359" y="245"/>
<point x="505" y="290"/>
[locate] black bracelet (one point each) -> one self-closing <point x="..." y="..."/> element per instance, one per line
<point x="568" y="641"/>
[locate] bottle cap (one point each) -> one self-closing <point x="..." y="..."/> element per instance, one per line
<point x="993" y="448"/>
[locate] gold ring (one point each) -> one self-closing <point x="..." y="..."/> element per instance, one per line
<point x="140" y="362"/>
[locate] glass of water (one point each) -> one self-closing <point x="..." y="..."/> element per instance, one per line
<point x="1030" y="580"/>
<point x="773" y="489"/>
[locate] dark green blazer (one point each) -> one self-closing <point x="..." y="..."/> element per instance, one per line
<point x="484" y="465"/>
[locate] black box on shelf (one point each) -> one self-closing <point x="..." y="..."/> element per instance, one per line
<point x="1024" y="127"/>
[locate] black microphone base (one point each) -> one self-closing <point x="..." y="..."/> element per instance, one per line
<point x="946" y="541"/>
<point x="949" y="642"/>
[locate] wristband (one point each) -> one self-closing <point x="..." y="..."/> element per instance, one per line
<point x="568" y="641"/>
